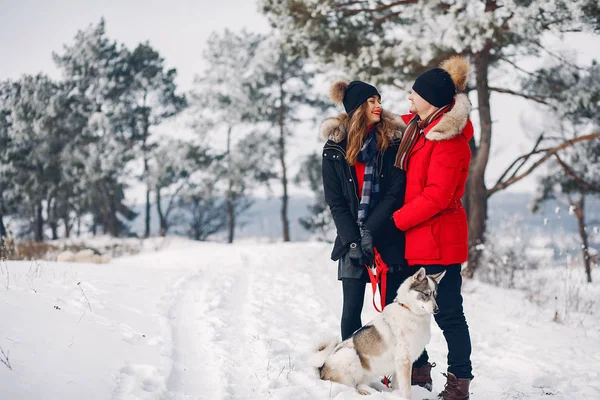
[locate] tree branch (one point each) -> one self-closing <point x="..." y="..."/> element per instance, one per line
<point x="549" y="153"/>
<point x="383" y="7"/>
<point x="586" y="185"/>
<point x="525" y="96"/>
<point x="524" y="159"/>
<point x="381" y="20"/>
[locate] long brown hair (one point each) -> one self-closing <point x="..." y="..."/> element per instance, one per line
<point x="356" y="131"/>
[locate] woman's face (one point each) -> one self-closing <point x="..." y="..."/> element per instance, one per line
<point x="373" y="109"/>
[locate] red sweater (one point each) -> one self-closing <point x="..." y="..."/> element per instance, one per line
<point x="360" y="176"/>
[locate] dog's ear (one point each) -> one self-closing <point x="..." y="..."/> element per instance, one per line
<point x="438" y="277"/>
<point x="420" y="275"/>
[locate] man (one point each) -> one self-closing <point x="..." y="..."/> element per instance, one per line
<point x="435" y="154"/>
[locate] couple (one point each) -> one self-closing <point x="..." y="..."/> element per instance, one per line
<point x="394" y="184"/>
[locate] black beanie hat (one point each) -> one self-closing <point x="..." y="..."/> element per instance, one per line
<point x="356" y="93"/>
<point x="435" y="86"/>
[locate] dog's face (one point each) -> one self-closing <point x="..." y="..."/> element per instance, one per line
<point x="421" y="292"/>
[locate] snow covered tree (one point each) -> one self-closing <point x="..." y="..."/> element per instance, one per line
<point x="171" y="166"/>
<point x="391" y="42"/>
<point x="152" y="99"/>
<point x="204" y="212"/>
<point x="226" y="103"/>
<point x="96" y="71"/>
<point x="283" y="83"/>
<point x="8" y="196"/>
<point x="574" y="177"/>
<point x="320" y="221"/>
<point x="32" y="136"/>
<point x="574" y="173"/>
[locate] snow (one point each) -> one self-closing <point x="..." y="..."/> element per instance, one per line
<point x="195" y="320"/>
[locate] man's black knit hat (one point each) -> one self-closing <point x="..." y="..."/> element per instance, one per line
<point x="356" y="93"/>
<point x="436" y="87"/>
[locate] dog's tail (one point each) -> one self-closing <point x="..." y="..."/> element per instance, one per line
<point x="320" y="354"/>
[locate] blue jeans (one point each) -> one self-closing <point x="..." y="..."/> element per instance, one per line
<point x="451" y="321"/>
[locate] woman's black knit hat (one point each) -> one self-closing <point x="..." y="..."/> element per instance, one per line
<point x="352" y="94"/>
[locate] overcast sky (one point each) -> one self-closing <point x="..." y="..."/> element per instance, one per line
<point x="30" y="30"/>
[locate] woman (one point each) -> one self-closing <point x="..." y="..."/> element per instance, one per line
<point x="363" y="188"/>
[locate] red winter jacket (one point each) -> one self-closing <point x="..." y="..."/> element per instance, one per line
<point x="433" y="218"/>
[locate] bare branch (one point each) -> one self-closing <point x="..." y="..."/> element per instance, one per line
<point x="523" y="160"/>
<point x="4" y="359"/>
<point x="506" y="60"/>
<point x="572" y="174"/>
<point x="525" y="96"/>
<point x="549" y="153"/>
<point x="560" y="58"/>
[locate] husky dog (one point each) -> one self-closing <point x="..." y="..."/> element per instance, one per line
<point x="388" y="344"/>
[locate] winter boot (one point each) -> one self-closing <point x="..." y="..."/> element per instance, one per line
<point x="455" y="389"/>
<point x="422" y="376"/>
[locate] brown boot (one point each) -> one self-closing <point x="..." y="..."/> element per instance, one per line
<point x="455" y="389"/>
<point x="422" y="376"/>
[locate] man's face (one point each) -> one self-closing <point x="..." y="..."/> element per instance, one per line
<point x="417" y="104"/>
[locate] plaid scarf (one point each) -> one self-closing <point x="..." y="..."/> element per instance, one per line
<point x="370" y="190"/>
<point x="414" y="127"/>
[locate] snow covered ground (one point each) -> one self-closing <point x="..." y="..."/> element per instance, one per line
<point x="215" y="321"/>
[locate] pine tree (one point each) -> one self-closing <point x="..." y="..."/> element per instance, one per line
<point x="320" y="221"/>
<point x="96" y="74"/>
<point x="171" y="167"/>
<point x="33" y="145"/>
<point x="284" y="83"/>
<point x="574" y="173"/>
<point x="226" y="103"/>
<point x="152" y="98"/>
<point x="392" y="42"/>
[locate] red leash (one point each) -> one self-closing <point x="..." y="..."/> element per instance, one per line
<point x="380" y="276"/>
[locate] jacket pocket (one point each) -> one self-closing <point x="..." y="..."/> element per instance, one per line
<point x="454" y="228"/>
<point x="423" y="241"/>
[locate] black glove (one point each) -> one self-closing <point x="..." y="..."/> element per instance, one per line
<point x="366" y="245"/>
<point x="356" y="255"/>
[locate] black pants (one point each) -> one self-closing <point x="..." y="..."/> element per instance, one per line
<point x="354" y="295"/>
<point x="451" y="320"/>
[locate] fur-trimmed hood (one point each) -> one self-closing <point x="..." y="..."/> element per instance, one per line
<point x="334" y="128"/>
<point x="453" y="122"/>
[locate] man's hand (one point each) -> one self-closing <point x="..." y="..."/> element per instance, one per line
<point x="396" y="218"/>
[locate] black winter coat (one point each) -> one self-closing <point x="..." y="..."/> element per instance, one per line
<point x="341" y="194"/>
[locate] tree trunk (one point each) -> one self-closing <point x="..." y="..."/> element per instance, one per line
<point x="477" y="196"/>
<point x="146" y="177"/>
<point x="38" y="229"/>
<point x="66" y="222"/>
<point x="2" y="227"/>
<point x="229" y="200"/>
<point x="284" y="180"/>
<point x="52" y="217"/>
<point x="580" y="214"/>
<point x="161" y="216"/>
<point x="54" y="228"/>
<point x="147" y="228"/>
<point x="230" y="215"/>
